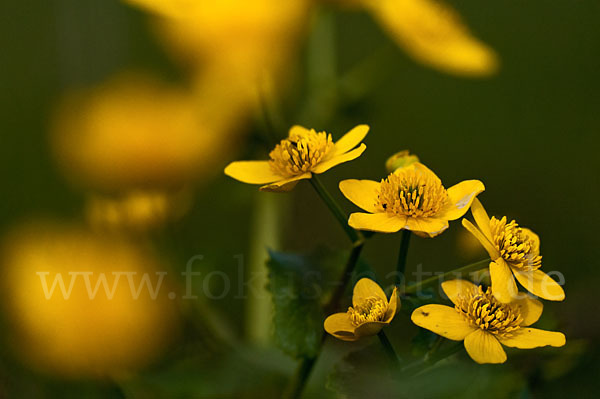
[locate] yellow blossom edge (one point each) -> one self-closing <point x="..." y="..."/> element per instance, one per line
<point x="434" y="34"/>
<point x="485" y="324"/>
<point x="370" y="312"/>
<point x="425" y="211"/>
<point x="297" y="157"/>
<point x="515" y="253"/>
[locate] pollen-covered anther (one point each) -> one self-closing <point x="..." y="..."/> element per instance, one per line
<point x="482" y="310"/>
<point x="300" y="152"/>
<point x="514" y="245"/>
<point x="410" y="192"/>
<point x="372" y="309"/>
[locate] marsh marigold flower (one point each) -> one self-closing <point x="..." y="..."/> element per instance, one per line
<point x="369" y="313"/>
<point x="411" y="198"/>
<point x="515" y="251"/>
<point x="484" y="323"/>
<point x="297" y="157"/>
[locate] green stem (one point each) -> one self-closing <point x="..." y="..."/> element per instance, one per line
<point x="346" y="276"/>
<point x="337" y="211"/>
<point x="294" y="390"/>
<point x="402" y="254"/>
<point x="442" y="277"/>
<point x="389" y="349"/>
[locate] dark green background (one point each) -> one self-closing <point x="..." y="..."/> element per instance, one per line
<point x="530" y="134"/>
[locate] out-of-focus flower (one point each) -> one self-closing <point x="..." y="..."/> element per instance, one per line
<point x="303" y="153"/>
<point x="433" y="34"/>
<point x="81" y="305"/>
<point x="484" y="323"/>
<point x="239" y="43"/>
<point x="136" y="210"/>
<point x="137" y="132"/>
<point x="399" y="160"/>
<point x="411" y="198"/>
<point x="369" y="313"/>
<point x="515" y="251"/>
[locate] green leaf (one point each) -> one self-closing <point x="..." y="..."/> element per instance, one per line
<point x="300" y="286"/>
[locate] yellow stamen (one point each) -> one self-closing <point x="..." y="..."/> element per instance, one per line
<point x="410" y="192"/>
<point x="300" y="152"/>
<point x="372" y="309"/>
<point x="515" y="246"/>
<point x="484" y="311"/>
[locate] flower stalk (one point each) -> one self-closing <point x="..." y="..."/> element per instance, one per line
<point x="402" y="255"/>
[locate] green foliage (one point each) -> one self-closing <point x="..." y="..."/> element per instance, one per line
<point x="300" y="286"/>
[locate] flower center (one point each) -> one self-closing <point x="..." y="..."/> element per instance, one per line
<point x="409" y="192"/>
<point x="515" y="246"/>
<point x="372" y="309"/>
<point x="484" y="311"/>
<point x="300" y="152"/>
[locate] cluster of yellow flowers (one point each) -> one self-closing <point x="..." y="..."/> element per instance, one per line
<point x="413" y="198"/>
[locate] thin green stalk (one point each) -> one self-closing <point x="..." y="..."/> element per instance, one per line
<point x="436" y="279"/>
<point x="337" y="211"/>
<point x="402" y="254"/>
<point x="294" y="390"/>
<point x="389" y="349"/>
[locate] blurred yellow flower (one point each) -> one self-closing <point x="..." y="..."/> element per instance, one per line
<point x="433" y="33"/>
<point x="515" y="251"/>
<point x="239" y="43"/>
<point x="369" y="313"/>
<point x="484" y="323"/>
<point x="303" y="153"/>
<point x="136" y="210"/>
<point x="135" y="132"/>
<point x="411" y="198"/>
<point x="78" y="305"/>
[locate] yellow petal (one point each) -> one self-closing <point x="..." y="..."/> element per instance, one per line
<point x="298" y="130"/>
<point x="286" y="184"/>
<point x="363" y="193"/>
<point x="540" y="284"/>
<point x="365" y="288"/>
<point x="535" y="239"/>
<point x="481" y="218"/>
<point x="489" y="247"/>
<point x="425" y="170"/>
<point x="252" y="172"/>
<point x="369" y="328"/>
<point x="350" y="140"/>
<point x="431" y="227"/>
<point x="527" y="338"/>
<point x="442" y="320"/>
<point x="338" y="159"/>
<point x="530" y="308"/>
<point x="392" y="306"/>
<point x="454" y="288"/>
<point x="503" y="283"/>
<point x="483" y="347"/>
<point x="340" y="326"/>
<point x="379" y="222"/>
<point x="460" y="197"/>
<point x="433" y="33"/>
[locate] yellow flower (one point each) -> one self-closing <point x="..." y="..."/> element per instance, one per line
<point x="433" y="33"/>
<point x="84" y="305"/>
<point x="369" y="313"/>
<point x="303" y="153"/>
<point x="484" y="323"/>
<point x="411" y="198"/>
<point x="136" y="131"/>
<point x="514" y="251"/>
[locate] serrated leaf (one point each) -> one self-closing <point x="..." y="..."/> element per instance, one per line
<point x="300" y="285"/>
